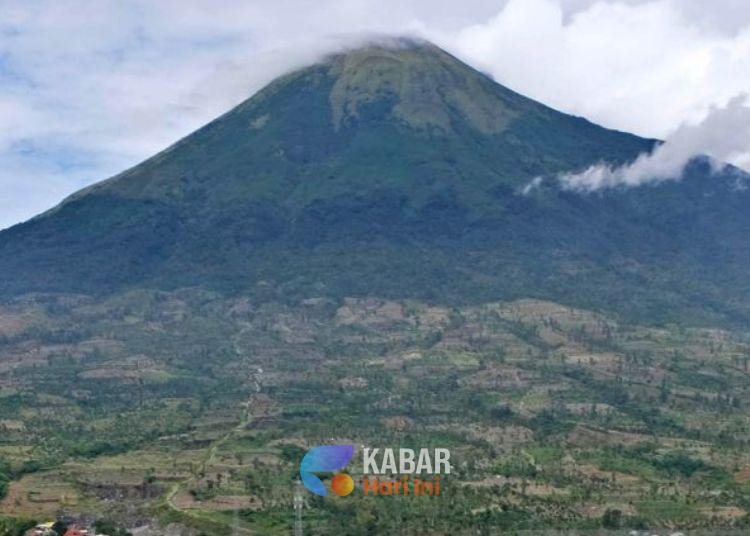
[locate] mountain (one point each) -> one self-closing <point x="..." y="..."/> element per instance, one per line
<point x="396" y="170"/>
<point x="352" y="256"/>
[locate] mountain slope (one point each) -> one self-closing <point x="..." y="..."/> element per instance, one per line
<point x="396" y="170"/>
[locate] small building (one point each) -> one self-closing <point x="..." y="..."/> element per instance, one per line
<point x="42" y="529"/>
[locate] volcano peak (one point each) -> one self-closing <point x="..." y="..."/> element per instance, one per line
<point x="422" y="83"/>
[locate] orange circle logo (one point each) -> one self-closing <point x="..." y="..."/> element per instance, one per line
<point x="342" y="484"/>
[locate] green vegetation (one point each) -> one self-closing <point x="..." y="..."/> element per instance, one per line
<point x="13" y="526"/>
<point x="398" y="173"/>
<point x="350" y="256"/>
<point x="195" y="408"/>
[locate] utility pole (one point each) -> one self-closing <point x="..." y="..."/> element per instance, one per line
<point x="299" y="503"/>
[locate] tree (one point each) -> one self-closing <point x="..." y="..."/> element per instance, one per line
<point x="109" y="528"/>
<point x="612" y="518"/>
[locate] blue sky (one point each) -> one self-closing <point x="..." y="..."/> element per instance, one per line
<point x="88" y="89"/>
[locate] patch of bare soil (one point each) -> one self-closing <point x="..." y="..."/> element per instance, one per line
<point x="219" y="503"/>
<point x="519" y="485"/>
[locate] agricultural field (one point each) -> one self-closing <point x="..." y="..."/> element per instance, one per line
<point x="189" y="411"/>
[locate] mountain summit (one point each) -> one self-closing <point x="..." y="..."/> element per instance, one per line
<point x="396" y="170"/>
<point x="371" y="118"/>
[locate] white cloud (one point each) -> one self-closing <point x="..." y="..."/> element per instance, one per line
<point x="724" y="135"/>
<point x="87" y="89"/>
<point x="643" y="68"/>
<point x="30" y="187"/>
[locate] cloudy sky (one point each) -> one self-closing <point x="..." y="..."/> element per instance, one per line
<point x="89" y="88"/>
